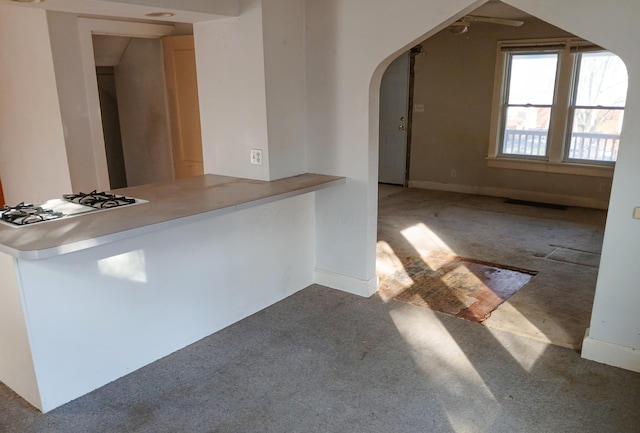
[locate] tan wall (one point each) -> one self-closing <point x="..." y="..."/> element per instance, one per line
<point x="454" y="80"/>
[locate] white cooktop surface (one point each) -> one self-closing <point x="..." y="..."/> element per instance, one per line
<point x="68" y="209"/>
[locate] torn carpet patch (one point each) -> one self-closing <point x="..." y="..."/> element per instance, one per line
<point x="465" y="288"/>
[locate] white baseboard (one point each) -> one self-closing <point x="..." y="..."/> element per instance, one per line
<point x="611" y="354"/>
<point x="516" y="194"/>
<point x="347" y="284"/>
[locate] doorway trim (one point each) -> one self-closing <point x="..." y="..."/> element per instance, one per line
<point x="88" y="27"/>
<point x="609" y="351"/>
<point x="413" y="52"/>
<point x="395" y="118"/>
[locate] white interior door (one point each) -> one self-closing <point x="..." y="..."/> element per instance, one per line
<point x="394" y="106"/>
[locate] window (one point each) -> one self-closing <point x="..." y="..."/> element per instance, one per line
<point x="558" y="106"/>
<point x="597" y="107"/>
<point x="528" y="103"/>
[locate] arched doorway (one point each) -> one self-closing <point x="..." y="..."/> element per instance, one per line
<point x="448" y="180"/>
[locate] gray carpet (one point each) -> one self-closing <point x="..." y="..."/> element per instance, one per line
<point x="325" y="361"/>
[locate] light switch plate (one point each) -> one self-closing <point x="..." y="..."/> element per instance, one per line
<point x="636" y="213"/>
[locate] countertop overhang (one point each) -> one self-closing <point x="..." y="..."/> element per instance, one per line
<point x="169" y="204"/>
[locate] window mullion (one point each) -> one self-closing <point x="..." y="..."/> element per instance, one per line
<point x="561" y="108"/>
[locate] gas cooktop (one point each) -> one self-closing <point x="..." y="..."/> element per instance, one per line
<point x="24" y="214"/>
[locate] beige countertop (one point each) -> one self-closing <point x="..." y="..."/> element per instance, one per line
<point x="169" y="204"/>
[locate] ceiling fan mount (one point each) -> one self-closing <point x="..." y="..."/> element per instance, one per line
<point x="463" y="24"/>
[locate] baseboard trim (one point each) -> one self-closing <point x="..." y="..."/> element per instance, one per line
<point x="517" y="194"/>
<point x="345" y="283"/>
<point x="610" y="353"/>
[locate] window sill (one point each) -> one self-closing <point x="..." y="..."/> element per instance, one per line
<point x="551" y="167"/>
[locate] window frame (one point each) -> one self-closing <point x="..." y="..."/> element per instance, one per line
<point x="559" y="135"/>
<point x="505" y="105"/>
<point x="573" y="107"/>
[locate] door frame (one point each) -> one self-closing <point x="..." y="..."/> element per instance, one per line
<point x="413" y="52"/>
<point x="87" y="27"/>
<point x="394" y="102"/>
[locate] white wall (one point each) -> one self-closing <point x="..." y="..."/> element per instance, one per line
<point x="349" y="44"/>
<point x="16" y="371"/>
<point x="65" y="47"/>
<point x="283" y="35"/>
<point x="76" y="84"/>
<point x="614" y="335"/>
<point x="255" y="98"/>
<point x="33" y="159"/>
<point x="144" y="116"/>
<point x="230" y="54"/>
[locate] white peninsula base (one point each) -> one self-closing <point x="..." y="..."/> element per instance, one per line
<point x="74" y="322"/>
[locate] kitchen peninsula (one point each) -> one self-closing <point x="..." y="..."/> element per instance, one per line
<point x="87" y="299"/>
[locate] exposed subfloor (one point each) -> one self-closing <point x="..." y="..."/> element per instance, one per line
<point x="563" y="246"/>
<point x="326" y="361"/>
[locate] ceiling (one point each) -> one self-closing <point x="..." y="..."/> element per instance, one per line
<point x="184" y="11"/>
<point x="191" y="11"/>
<point x="498" y="9"/>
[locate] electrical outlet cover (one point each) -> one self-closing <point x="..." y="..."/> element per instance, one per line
<point x="255" y="156"/>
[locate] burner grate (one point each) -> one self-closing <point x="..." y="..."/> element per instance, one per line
<point x="26" y="213"/>
<point x="99" y="200"/>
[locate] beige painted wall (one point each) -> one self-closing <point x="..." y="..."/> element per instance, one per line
<point x="454" y="80"/>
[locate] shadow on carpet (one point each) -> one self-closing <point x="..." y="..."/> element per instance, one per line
<point x="465" y="288"/>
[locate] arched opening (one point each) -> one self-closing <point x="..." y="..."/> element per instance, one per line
<point x="462" y="212"/>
